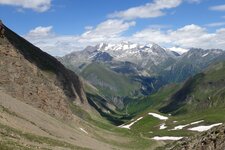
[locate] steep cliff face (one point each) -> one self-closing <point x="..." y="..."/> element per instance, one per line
<point x="37" y="78"/>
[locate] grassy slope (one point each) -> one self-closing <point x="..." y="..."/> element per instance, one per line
<point x="204" y="91"/>
<point x="119" y="85"/>
<point x="199" y="88"/>
<point x="45" y="132"/>
<point x="208" y="84"/>
<point x="153" y="102"/>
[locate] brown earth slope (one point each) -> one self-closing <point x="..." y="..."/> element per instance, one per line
<point x="33" y="76"/>
<point x="23" y="127"/>
<point x="213" y="139"/>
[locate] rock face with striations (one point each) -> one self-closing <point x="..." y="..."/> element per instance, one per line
<point x="37" y="78"/>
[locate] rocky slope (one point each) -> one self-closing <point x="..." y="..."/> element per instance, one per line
<point x="213" y="139"/>
<point x="191" y="63"/>
<point x="151" y="57"/>
<point x="37" y="78"/>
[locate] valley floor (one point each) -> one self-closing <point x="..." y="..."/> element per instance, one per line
<point x="24" y="127"/>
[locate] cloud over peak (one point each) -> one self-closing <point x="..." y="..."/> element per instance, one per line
<point x="108" y="29"/>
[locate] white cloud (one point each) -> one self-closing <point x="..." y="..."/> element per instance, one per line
<point x="151" y="35"/>
<point x="190" y="36"/>
<point x="194" y="1"/>
<point x="159" y="26"/>
<point x="185" y="37"/>
<point x="112" y="31"/>
<point x="37" y="5"/>
<point x="41" y="31"/>
<point x="88" y="27"/>
<point x="218" y="8"/>
<point x="216" y="24"/>
<point x="46" y="39"/>
<point x="107" y="30"/>
<point x="149" y="10"/>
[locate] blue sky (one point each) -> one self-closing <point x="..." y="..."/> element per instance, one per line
<point x="62" y="26"/>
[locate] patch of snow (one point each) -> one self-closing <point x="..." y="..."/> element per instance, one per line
<point x="101" y="45"/>
<point x="109" y="46"/>
<point x="158" y="116"/>
<point x="180" y="127"/>
<point x="92" y="56"/>
<point x="217" y="52"/>
<point x="129" y="125"/>
<point x="204" y="128"/>
<point x="150" y="45"/>
<point x="133" y="46"/>
<point x="174" y="121"/>
<point x="205" y="54"/>
<point x="196" y="122"/>
<point x="141" y="46"/>
<point x="125" y="47"/>
<point x="83" y="130"/>
<point x="166" y="138"/>
<point x="162" y="126"/>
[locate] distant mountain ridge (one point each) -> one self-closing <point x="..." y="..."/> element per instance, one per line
<point x="149" y="66"/>
<point x="202" y="91"/>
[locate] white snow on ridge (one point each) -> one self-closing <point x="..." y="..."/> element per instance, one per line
<point x="83" y="130"/>
<point x="166" y="138"/>
<point x="204" y="128"/>
<point x="196" y="122"/>
<point x="180" y="127"/>
<point x="205" y="54"/>
<point x="179" y="50"/>
<point x="158" y="116"/>
<point x="129" y="125"/>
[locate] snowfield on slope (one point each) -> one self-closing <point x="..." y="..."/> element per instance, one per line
<point x="167" y="138"/>
<point x="158" y="116"/>
<point x="204" y="128"/>
<point x="129" y="125"/>
<point x="180" y="127"/>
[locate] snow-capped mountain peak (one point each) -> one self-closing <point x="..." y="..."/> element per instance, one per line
<point x="179" y="50"/>
<point x="136" y="53"/>
<point x="124" y="45"/>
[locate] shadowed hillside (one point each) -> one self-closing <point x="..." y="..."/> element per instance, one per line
<point x="37" y="78"/>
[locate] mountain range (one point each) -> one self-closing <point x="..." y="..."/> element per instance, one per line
<point x="110" y="96"/>
<point x="145" y="68"/>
